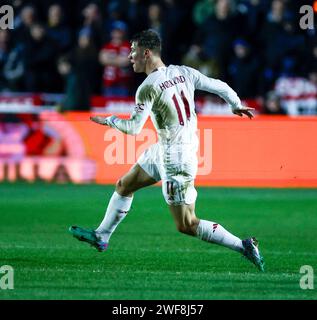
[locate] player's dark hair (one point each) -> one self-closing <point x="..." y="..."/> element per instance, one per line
<point x="148" y="39"/>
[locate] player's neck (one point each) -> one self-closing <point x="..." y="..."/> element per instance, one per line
<point x="153" y="64"/>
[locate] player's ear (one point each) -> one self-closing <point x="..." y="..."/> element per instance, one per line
<point x="147" y="53"/>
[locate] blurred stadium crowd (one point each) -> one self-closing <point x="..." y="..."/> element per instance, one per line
<point x="81" y="48"/>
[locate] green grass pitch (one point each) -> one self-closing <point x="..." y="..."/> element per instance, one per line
<point x="147" y="257"/>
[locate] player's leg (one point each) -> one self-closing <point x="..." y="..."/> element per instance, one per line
<point x="142" y="174"/>
<point x="187" y="223"/>
<point x="181" y="199"/>
<point x="121" y="200"/>
<point x="118" y="207"/>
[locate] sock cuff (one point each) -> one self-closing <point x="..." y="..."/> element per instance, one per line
<point x="122" y="203"/>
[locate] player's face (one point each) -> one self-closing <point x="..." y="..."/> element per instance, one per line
<point x="137" y="58"/>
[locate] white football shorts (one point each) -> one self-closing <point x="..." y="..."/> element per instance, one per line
<point x="176" y="169"/>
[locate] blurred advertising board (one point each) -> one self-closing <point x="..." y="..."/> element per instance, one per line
<point x="42" y="146"/>
<point x="268" y="151"/>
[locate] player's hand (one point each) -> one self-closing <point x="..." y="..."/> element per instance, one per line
<point x="243" y="110"/>
<point x="107" y="121"/>
<point x="100" y="120"/>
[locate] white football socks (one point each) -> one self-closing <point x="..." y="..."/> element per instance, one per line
<point x="117" y="209"/>
<point x="213" y="232"/>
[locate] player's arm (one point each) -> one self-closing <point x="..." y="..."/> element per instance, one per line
<point x="220" y="88"/>
<point x="131" y="126"/>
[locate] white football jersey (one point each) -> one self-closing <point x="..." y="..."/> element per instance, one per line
<point x="167" y="96"/>
<point x="168" y="93"/>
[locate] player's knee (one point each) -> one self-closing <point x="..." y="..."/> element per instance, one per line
<point x="123" y="188"/>
<point x="188" y="227"/>
<point x="182" y="228"/>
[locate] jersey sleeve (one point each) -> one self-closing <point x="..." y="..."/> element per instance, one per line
<point x="144" y="102"/>
<point x="218" y="87"/>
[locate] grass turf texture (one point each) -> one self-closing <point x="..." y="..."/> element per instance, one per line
<point x="147" y="258"/>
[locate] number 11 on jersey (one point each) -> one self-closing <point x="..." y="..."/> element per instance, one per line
<point x="179" y="112"/>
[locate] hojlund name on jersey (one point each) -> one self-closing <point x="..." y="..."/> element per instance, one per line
<point x="171" y="83"/>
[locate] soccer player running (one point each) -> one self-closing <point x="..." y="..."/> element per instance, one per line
<point x="167" y="96"/>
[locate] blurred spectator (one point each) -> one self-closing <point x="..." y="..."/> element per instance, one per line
<point x="297" y="95"/>
<point x="136" y="11"/>
<point x="310" y="60"/>
<point x="216" y="34"/>
<point x="24" y="22"/>
<point x="272" y="104"/>
<point x="176" y="29"/>
<point x="114" y="9"/>
<point x="203" y="9"/>
<point x="254" y="12"/>
<point x="4" y="54"/>
<point x="283" y="44"/>
<point x="277" y="12"/>
<point x="94" y="21"/>
<point x="117" y="73"/>
<point x="271" y="33"/>
<point x="293" y="43"/>
<point x="57" y="30"/>
<point x="243" y="70"/>
<point x="79" y="69"/>
<point x="11" y="64"/>
<point x="155" y="18"/>
<point x="39" y="58"/>
<point x="195" y="58"/>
